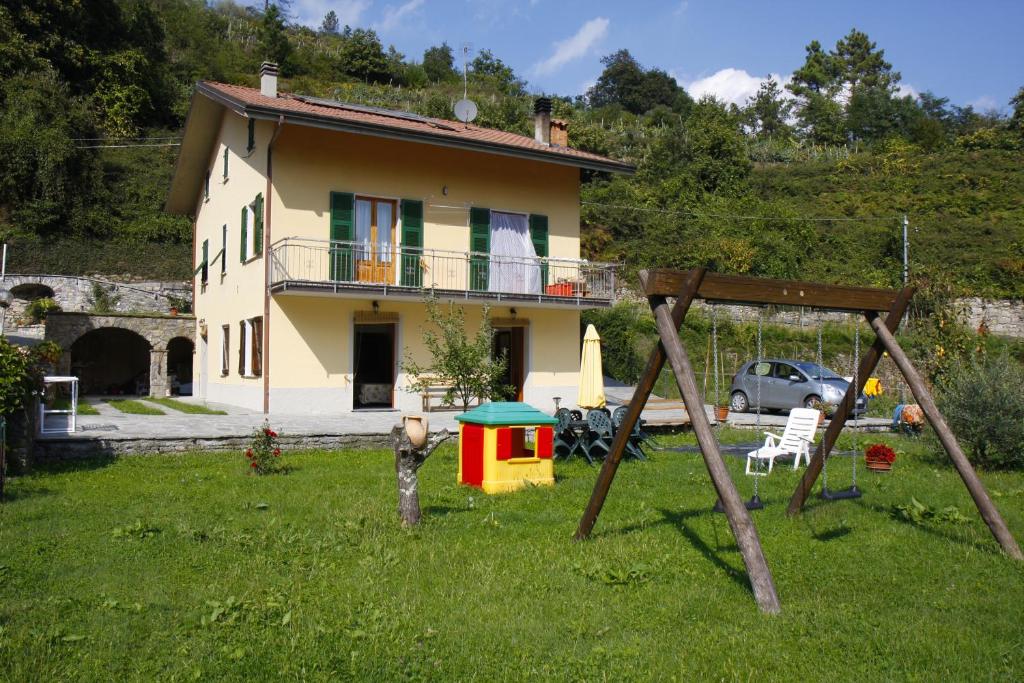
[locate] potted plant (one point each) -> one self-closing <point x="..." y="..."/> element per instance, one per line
<point x="879" y="458"/>
<point x="722" y="411"/>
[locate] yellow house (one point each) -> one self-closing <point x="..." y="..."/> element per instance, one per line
<point x="320" y="228"/>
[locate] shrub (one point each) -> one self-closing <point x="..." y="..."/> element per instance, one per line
<point x="623" y="328"/>
<point x="264" y="451"/>
<point x="983" y="403"/>
<point x="37" y="309"/>
<point x="21" y="373"/>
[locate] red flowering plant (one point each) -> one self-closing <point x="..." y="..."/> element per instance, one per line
<point x="264" y="451"/>
<point x="879" y="452"/>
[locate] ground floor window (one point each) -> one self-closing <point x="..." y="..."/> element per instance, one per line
<point x="250" y="350"/>
<point x="225" y="349"/>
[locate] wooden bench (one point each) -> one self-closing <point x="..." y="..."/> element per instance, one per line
<point x="433" y="394"/>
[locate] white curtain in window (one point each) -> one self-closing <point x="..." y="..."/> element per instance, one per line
<point x="384" y="221"/>
<point x="513" y="264"/>
<point x="363" y="224"/>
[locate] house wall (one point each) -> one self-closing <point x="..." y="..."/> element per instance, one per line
<point x="310" y="338"/>
<point x="310" y="163"/>
<point x="238" y="294"/>
<point x="311" y="357"/>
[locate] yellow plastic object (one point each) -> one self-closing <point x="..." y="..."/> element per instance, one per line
<point x="591" y="392"/>
<point x="873" y="387"/>
<point x="493" y="452"/>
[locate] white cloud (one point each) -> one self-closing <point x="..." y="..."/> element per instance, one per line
<point x="574" y="47"/>
<point x="394" y="16"/>
<point x="732" y="85"/>
<point x="681" y="8"/>
<point x="904" y="89"/>
<point x="985" y="103"/>
<point x="311" y="12"/>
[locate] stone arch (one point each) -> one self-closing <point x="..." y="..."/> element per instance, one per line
<point x="111" y="360"/>
<point x="30" y="291"/>
<point x="179" y="364"/>
<point x="157" y="332"/>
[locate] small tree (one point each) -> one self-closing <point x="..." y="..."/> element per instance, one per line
<point x="461" y="362"/>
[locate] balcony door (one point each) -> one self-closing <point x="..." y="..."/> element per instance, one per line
<point x="375" y="239"/>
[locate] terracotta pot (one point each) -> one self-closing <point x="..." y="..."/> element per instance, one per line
<point x="174" y="311"/>
<point x="417" y="427"/>
<point x="879" y="465"/>
<point x="721" y="413"/>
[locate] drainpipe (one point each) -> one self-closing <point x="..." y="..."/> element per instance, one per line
<point x="267" y="240"/>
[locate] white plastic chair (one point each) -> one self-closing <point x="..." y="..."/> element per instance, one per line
<point x="796" y="440"/>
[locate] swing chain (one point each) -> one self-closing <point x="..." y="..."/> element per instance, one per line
<point x="856" y="386"/>
<point x="714" y="348"/>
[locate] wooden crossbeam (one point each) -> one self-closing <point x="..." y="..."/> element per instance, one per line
<point x="760" y="291"/>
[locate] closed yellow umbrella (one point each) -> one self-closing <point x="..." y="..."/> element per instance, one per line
<point x="591" y="373"/>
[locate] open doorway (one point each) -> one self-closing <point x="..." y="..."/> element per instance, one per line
<point x="179" y="365"/>
<point x="374" y="366"/>
<point x="511" y="342"/>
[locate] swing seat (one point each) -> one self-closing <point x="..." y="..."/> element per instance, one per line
<point x="796" y="440"/>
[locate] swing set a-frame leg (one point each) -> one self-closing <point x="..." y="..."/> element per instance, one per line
<point x="671" y="347"/>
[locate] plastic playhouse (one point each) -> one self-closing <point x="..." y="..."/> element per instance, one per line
<point x="494" y="454"/>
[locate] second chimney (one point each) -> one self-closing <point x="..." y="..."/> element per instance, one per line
<point x="559" y="133"/>
<point x="542" y="120"/>
<point x="268" y="79"/>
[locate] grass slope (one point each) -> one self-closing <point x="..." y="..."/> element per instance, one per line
<point x="185" y="568"/>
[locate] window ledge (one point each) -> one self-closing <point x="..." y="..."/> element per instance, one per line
<point x="523" y="461"/>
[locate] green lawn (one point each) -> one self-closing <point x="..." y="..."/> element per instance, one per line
<point x="83" y="407"/>
<point x="183" y="568"/>
<point x="182" y="407"/>
<point x="133" y="407"/>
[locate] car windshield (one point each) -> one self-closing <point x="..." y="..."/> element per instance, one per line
<point x="815" y="371"/>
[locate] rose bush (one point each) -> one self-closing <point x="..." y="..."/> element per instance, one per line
<point x="264" y="451"/>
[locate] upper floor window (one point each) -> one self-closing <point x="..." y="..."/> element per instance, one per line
<point x="251" y="245"/>
<point x="226" y="150"/>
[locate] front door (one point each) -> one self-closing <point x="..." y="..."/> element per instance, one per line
<point x="374" y="364"/>
<point x="375" y="239"/>
<point x="510" y="342"/>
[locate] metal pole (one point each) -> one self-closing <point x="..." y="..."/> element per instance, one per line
<point x="906" y="249"/>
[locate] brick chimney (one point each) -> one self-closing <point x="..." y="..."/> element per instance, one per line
<point x="268" y="79"/>
<point x="542" y="120"/>
<point x="559" y="133"/>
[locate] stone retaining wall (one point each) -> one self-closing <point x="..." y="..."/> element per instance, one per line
<point x="75" y="293"/>
<point x="1000" y="316"/>
<point x="77" y="447"/>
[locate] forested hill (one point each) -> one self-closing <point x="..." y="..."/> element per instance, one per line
<point x="810" y="180"/>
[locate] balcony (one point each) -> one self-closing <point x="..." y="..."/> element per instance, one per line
<point x="356" y="269"/>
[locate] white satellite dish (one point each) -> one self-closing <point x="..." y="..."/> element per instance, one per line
<point x="465" y="110"/>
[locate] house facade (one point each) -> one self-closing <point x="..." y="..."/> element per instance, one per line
<point x="322" y="227"/>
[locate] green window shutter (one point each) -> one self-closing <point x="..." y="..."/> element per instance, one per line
<point x="206" y="186"/>
<point x="539" y="237"/>
<point x="245" y="219"/>
<point x="224" y="249"/>
<point x="258" y="226"/>
<point x="251" y="145"/>
<point x="343" y="230"/>
<point x="412" y="243"/>
<point x="206" y="261"/>
<point x="479" y="241"/>
<point x="225" y="163"/>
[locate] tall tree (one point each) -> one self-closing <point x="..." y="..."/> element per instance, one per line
<point x="330" y="23"/>
<point x="439" y="63"/>
<point x="860" y="63"/>
<point x="1017" y="118"/>
<point x="501" y="76"/>
<point x="273" y="40"/>
<point x="767" y="112"/>
<point x="625" y="82"/>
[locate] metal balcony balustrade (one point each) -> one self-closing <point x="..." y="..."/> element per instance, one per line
<point x="353" y="268"/>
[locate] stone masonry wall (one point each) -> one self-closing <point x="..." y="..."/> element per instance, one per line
<point x="75" y="293"/>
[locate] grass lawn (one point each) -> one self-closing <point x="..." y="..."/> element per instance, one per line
<point x="182" y="407"/>
<point x="133" y="407"/>
<point x="83" y="407"/>
<point x="183" y="567"/>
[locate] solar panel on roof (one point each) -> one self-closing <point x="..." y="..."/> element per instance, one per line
<point x="379" y="111"/>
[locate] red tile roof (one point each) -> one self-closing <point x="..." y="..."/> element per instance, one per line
<point x="428" y="129"/>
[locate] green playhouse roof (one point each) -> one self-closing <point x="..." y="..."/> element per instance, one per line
<point x="506" y="413"/>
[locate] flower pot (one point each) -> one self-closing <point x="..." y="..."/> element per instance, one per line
<point x="417" y="428"/>
<point x="174" y="310"/>
<point x="879" y="465"/>
<point x="721" y="413"/>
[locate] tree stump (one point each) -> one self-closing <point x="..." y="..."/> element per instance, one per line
<point x="408" y="460"/>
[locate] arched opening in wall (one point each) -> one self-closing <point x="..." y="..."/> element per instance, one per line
<point x="179" y="365"/>
<point x="30" y="291"/>
<point x="111" y="361"/>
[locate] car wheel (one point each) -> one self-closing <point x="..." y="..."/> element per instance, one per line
<point x="739" y="403"/>
<point x="813" y="401"/>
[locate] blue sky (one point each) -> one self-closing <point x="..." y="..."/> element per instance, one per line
<point x="970" y="52"/>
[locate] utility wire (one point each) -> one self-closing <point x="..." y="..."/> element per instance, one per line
<point x="148" y="144"/>
<point x="738" y="217"/>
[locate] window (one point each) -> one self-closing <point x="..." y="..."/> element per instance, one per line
<point x="785" y="371"/>
<point x="251" y="145"/>
<point x="223" y="249"/>
<point x="250" y="351"/>
<point x="225" y="163"/>
<point x="375" y="229"/>
<point x="205" y="265"/>
<point x="225" y="345"/>
<point x="252" y="230"/>
<point x="206" y="187"/>
<point x="763" y="368"/>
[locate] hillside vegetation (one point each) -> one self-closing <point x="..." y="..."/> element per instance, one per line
<point x="93" y="100"/>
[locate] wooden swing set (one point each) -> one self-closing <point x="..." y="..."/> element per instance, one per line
<point x="660" y="284"/>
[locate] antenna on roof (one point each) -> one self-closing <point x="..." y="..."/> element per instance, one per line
<point x="465" y="109"/>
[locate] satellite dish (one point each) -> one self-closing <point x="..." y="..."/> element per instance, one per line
<point x="465" y="110"/>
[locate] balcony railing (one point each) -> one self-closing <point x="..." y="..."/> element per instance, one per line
<point x="346" y="266"/>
